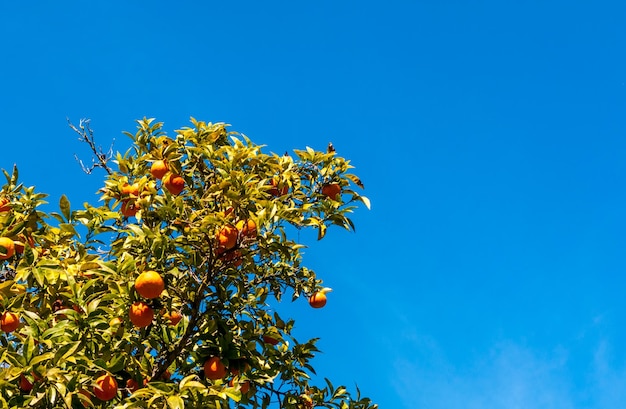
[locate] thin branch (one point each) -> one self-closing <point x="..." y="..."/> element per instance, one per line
<point x="86" y="135"/>
<point x="187" y="339"/>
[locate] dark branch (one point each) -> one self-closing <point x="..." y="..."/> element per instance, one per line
<point x="86" y="135"/>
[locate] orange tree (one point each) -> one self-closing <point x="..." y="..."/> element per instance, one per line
<point x="159" y="297"/>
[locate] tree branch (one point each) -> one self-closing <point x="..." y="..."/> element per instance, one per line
<point x="86" y="135"/>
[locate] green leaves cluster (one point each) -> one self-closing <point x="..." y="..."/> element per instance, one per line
<point x="72" y="280"/>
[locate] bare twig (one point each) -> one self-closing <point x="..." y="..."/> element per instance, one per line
<point x="86" y="135"/>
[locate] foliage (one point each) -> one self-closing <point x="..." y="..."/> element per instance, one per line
<point x="72" y="278"/>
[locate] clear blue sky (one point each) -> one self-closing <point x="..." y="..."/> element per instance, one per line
<point x="490" y="135"/>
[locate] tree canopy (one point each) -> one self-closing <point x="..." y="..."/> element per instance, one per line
<point x="159" y="296"/>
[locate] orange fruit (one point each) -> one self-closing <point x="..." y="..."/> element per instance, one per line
<point x="128" y="190"/>
<point x="275" y="191"/>
<point x="7" y="248"/>
<point x="140" y="314"/>
<point x="149" y="284"/>
<point x="174" y="317"/>
<point x="268" y="339"/>
<point x="318" y="299"/>
<point x="19" y="246"/>
<point x="306" y="401"/>
<point x="132" y="385"/>
<point x="214" y="368"/>
<point x="158" y="169"/>
<point x="228" y="212"/>
<point x="174" y="183"/>
<point x="9" y="321"/>
<point x="233" y="257"/>
<point x="129" y="208"/>
<point x="20" y="243"/>
<point x="5" y="204"/>
<point x="244" y="386"/>
<point x="86" y="396"/>
<point x="106" y="387"/>
<point x="227" y="237"/>
<point x="236" y="366"/>
<point x="25" y="384"/>
<point x="332" y="191"/>
<point x="247" y="228"/>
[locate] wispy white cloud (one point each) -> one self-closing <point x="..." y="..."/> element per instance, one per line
<point x="608" y="380"/>
<point x="509" y="376"/>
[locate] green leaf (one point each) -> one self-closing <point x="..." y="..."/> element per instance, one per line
<point x="65" y="351"/>
<point x="321" y="231"/>
<point x="29" y="348"/>
<point x="355" y="179"/>
<point x="233" y="393"/>
<point x="39" y="275"/>
<point x="117" y="363"/>
<point x="64" y="205"/>
<point x="365" y="201"/>
<point x="189" y="382"/>
<point x="42" y="358"/>
<point x="14" y="177"/>
<point x="175" y="402"/>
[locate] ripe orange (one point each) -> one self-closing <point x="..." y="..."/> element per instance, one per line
<point x="132" y="385"/>
<point x="25" y="384"/>
<point x="236" y="366"/>
<point x="174" y="183"/>
<point x="247" y="228"/>
<point x="7" y="248"/>
<point x="20" y="243"/>
<point x="227" y="237"/>
<point x="5" y="204"/>
<point x="158" y="169"/>
<point x="106" y="387"/>
<point x="244" y="386"/>
<point x="268" y="339"/>
<point x="318" y="299"/>
<point x="149" y="284"/>
<point x="174" y="317"/>
<point x="332" y="191"/>
<point x="86" y="396"/>
<point x="214" y="368"/>
<point x="228" y="212"/>
<point x="9" y="321"/>
<point x="275" y="191"/>
<point x="128" y="189"/>
<point x="140" y="314"/>
<point x="129" y="208"/>
<point x="233" y="257"/>
<point x="19" y="246"/>
<point x="307" y="402"/>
